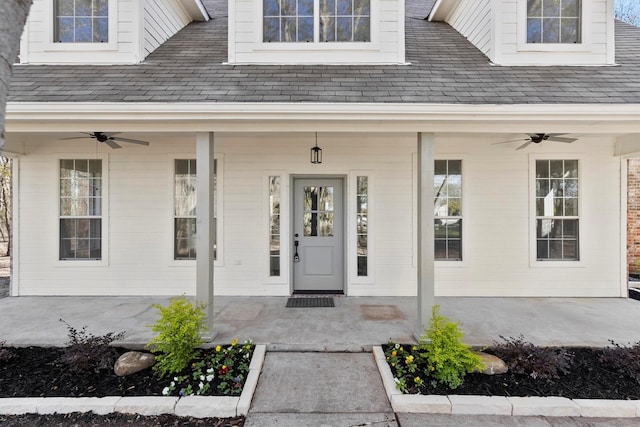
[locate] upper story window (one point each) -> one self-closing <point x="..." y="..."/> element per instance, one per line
<point x="554" y="21"/>
<point x="324" y="21"/>
<point x="81" y="21"/>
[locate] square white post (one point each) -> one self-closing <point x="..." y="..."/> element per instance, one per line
<point x="205" y="225"/>
<point x="426" y="280"/>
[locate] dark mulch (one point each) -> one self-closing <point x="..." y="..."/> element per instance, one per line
<point x="588" y="378"/>
<point x="85" y="420"/>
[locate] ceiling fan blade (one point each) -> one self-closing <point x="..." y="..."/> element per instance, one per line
<point x="111" y="133"/>
<point x="525" y="145"/>
<point x="559" y="139"/>
<point x="73" y="137"/>
<point x="133" y="141"/>
<point x="112" y="144"/>
<point x="555" y="134"/>
<point x="505" y="142"/>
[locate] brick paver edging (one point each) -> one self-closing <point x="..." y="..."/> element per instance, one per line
<point x="497" y="405"/>
<point x="192" y="406"/>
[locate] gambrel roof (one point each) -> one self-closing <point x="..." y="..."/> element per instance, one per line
<point x="444" y="68"/>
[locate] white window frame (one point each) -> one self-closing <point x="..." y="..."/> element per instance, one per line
<point x="285" y="236"/>
<point x="104" y="226"/>
<point x="316" y="45"/>
<point x="111" y="45"/>
<point x="463" y="231"/>
<point x="351" y="226"/>
<point x="219" y="261"/>
<point x="533" y="247"/>
<point x="585" y="28"/>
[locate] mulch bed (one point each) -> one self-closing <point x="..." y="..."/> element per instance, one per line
<point x="92" y="420"/>
<point x="588" y="378"/>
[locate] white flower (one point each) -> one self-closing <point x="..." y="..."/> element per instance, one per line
<point x="165" y="391"/>
<point x="201" y="385"/>
<point x="173" y="384"/>
<point x="396" y="380"/>
<point x="210" y="371"/>
<point x="201" y="378"/>
<point x="210" y="378"/>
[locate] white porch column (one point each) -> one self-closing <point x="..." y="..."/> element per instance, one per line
<point x="205" y="225"/>
<point x="426" y="288"/>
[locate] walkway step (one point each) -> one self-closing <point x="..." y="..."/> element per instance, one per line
<point x="321" y="420"/>
<point x="319" y="383"/>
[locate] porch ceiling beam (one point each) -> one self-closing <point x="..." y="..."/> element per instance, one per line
<point x="205" y="225"/>
<point x="236" y="117"/>
<point x="628" y="146"/>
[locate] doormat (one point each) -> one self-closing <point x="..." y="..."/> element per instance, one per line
<point x="310" y="302"/>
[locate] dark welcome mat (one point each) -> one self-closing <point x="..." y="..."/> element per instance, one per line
<point x="310" y="302"/>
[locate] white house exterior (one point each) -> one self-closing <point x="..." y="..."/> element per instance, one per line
<point x="410" y="120"/>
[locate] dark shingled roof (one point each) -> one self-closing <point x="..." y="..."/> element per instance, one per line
<point x="445" y="68"/>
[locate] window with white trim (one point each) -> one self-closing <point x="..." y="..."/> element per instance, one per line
<point x="274" y="226"/>
<point x="80" y="209"/>
<point x="447" y="210"/>
<point x="332" y="21"/>
<point x="557" y="220"/>
<point x="554" y="21"/>
<point x="81" y="21"/>
<point x="362" y="220"/>
<point x="184" y="211"/>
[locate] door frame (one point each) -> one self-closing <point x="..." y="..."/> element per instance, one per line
<point x="345" y="220"/>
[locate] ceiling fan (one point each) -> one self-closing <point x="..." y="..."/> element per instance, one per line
<point x="108" y="138"/>
<point x="537" y="138"/>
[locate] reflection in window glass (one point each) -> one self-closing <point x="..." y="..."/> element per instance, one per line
<point x="81" y="21"/>
<point x="80" y="209"/>
<point x="274" y="226"/>
<point x="345" y="21"/>
<point x="288" y="20"/>
<point x="362" y="196"/>
<point x="318" y="211"/>
<point x="556" y="210"/>
<point x="553" y="21"/>
<point x="447" y="210"/>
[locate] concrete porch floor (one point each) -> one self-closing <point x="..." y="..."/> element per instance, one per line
<point x="355" y="324"/>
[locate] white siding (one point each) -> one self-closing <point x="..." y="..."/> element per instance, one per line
<point x="386" y="46"/>
<point x="496" y="203"/>
<point x="162" y="19"/>
<point x="37" y="41"/>
<point x="473" y="19"/>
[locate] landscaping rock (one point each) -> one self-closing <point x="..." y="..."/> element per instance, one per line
<point x="132" y="362"/>
<point x="492" y="365"/>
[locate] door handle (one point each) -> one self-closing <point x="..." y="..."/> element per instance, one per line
<point x="296" y="257"/>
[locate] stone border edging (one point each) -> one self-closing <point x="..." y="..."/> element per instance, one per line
<point x="498" y="405"/>
<point x="193" y="406"/>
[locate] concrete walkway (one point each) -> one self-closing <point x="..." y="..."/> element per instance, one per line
<point x="355" y="324"/>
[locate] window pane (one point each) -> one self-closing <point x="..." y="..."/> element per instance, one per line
<point x="454" y="185"/>
<point x="344" y="7"/>
<point x="64" y="7"/>
<point x="455" y="207"/>
<point x="543" y="249"/>
<point x="570" y="8"/>
<point x="271" y="8"/>
<point x="571" y="168"/>
<point x="83" y="30"/>
<point x="327" y="7"/>
<point x="327" y="29"/>
<point x="551" y="8"/>
<point x="274" y="267"/>
<point x="305" y="8"/>
<point x="534" y="30"/>
<point x="326" y="198"/>
<point x="556" y="168"/>
<point x="534" y="7"/>
<point x="361" y="29"/>
<point x="344" y="29"/>
<point x="288" y="31"/>
<point x="100" y="30"/>
<point x="570" y="228"/>
<point x="185" y="238"/>
<point x="454" y="229"/>
<point x="361" y="227"/>
<point x="288" y="7"/>
<point x="272" y="29"/>
<point x="551" y="30"/>
<point x="362" y="266"/>
<point x="571" y="207"/>
<point x="362" y="185"/>
<point x="570" y="32"/>
<point x="274" y="221"/>
<point x="361" y="7"/>
<point x="454" y="250"/>
<point x="326" y="224"/>
<point x="100" y="7"/>
<point x="542" y="169"/>
<point x="542" y="187"/>
<point x="83" y="7"/>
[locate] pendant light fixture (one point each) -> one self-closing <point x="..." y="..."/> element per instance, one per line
<point x="316" y="153"/>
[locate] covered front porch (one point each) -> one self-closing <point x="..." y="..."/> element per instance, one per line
<point x="354" y="324"/>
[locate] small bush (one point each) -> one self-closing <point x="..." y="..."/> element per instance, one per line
<point x="88" y="352"/>
<point x="522" y="357"/>
<point x="625" y="360"/>
<point x="443" y="348"/>
<point x="178" y="328"/>
<point x="5" y="353"/>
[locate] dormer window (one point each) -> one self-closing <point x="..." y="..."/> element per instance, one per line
<point x="81" y="21"/>
<point x="323" y="20"/>
<point x="554" y="21"/>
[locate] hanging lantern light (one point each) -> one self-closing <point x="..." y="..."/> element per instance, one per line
<point x="316" y="153"/>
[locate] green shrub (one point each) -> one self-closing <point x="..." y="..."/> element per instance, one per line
<point x="447" y="356"/>
<point x="179" y="331"/>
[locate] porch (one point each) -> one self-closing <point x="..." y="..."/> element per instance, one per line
<point x="354" y="324"/>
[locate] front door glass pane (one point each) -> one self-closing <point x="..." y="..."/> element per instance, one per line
<point x="318" y="211"/>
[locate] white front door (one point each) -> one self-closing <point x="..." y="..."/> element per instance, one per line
<point x="318" y="260"/>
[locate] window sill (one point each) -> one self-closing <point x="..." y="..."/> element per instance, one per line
<point x="554" y="47"/>
<point x="81" y="47"/>
<point x="556" y="264"/>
